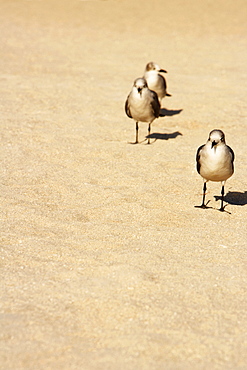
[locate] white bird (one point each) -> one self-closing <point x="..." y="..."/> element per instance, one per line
<point x="142" y="105"/>
<point x="156" y="82"/>
<point x="215" y="162"/>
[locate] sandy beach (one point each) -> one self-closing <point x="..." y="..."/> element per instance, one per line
<point x="105" y="261"/>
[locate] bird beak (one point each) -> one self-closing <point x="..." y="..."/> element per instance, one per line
<point x="213" y="144"/>
<point x="139" y="90"/>
<point x="163" y="70"/>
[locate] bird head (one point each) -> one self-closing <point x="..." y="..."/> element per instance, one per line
<point x="151" y="66"/>
<point x="140" y="84"/>
<point x="216" y="137"/>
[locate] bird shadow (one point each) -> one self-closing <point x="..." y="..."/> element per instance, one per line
<point x="169" y="112"/>
<point x="157" y="136"/>
<point x="234" y="197"/>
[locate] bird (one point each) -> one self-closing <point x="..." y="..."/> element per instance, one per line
<point x="156" y="82"/>
<point x="215" y="162"/>
<point x="142" y="105"/>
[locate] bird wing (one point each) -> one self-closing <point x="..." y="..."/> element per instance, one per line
<point x="155" y="104"/>
<point x="163" y="81"/>
<point x="198" y="164"/>
<point x="232" y="153"/>
<point x="164" y="85"/>
<point x="127" y="108"/>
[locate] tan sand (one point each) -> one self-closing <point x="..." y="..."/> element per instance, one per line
<point x="105" y="262"/>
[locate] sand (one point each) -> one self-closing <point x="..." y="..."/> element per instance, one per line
<point x="105" y="262"/>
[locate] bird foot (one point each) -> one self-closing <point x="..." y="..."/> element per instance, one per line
<point x="203" y="206"/>
<point x="222" y="209"/>
<point x="148" y="141"/>
<point x="133" y="143"/>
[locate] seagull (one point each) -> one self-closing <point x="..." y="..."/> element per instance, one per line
<point x="142" y="105"/>
<point x="215" y="162"/>
<point x="156" y="81"/>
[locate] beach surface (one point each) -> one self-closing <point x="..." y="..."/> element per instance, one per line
<point x="105" y="262"/>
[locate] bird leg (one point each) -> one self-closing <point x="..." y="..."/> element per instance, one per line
<point x="149" y="130"/>
<point x="222" y="208"/>
<point x="222" y="198"/>
<point x="137" y="128"/>
<point x="203" y="205"/>
<point x="204" y="195"/>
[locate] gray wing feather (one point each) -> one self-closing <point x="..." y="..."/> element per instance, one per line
<point x="155" y="104"/>
<point x="198" y="164"/>
<point x="127" y="108"/>
<point x="164" y="82"/>
<point x="233" y="155"/>
<point x="165" y="85"/>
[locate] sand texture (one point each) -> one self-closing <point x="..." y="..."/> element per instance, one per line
<point x="105" y="262"/>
